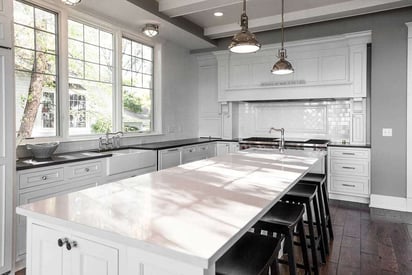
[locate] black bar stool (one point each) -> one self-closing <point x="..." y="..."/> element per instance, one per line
<point x="320" y="181"/>
<point x="285" y="218"/>
<point x="253" y="254"/>
<point x="307" y="194"/>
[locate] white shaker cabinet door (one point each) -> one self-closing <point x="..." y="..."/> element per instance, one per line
<point x="89" y="258"/>
<point x="46" y="256"/>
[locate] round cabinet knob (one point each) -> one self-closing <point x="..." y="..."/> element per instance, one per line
<point x="44" y="178"/>
<point x="61" y="242"/>
<point x="87" y="169"/>
<point x="70" y="245"/>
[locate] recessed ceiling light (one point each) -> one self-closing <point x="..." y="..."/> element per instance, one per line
<point x="218" y="14"/>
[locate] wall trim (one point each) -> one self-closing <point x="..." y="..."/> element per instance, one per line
<point x="351" y="198"/>
<point x="409" y="116"/>
<point x="391" y="203"/>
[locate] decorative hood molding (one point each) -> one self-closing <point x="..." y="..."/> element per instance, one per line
<point x="327" y="67"/>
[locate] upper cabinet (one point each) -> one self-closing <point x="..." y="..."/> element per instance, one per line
<point x="6" y="15"/>
<point x="328" y="67"/>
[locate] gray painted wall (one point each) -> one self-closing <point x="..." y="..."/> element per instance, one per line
<point x="388" y="87"/>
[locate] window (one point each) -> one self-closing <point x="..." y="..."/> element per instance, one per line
<point x="137" y="86"/>
<point x="99" y="96"/>
<point x="36" y="54"/>
<point x="90" y="79"/>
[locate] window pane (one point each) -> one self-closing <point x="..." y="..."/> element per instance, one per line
<point x="45" y="42"/>
<point x="90" y="107"/>
<point x="90" y="82"/>
<point x="75" y="30"/>
<point x="76" y="49"/>
<point x="23" y="37"/>
<point x="91" y="35"/>
<point x="36" y="89"/>
<point x="24" y="59"/>
<point x="137" y="101"/>
<point x="23" y="14"/>
<point x="137" y="105"/>
<point x="45" y="21"/>
<point x="91" y="53"/>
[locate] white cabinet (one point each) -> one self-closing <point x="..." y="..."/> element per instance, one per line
<point x="50" y="254"/>
<point x="169" y="158"/>
<point x="180" y="155"/>
<point x="349" y="173"/>
<point x="6" y="13"/>
<point x="7" y="148"/>
<point x="328" y="67"/>
<point x="209" y="107"/>
<point x="224" y="148"/>
<point x="46" y="182"/>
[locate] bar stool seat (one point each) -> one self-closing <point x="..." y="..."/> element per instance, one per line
<point x="284" y="218"/>
<point x="253" y="254"/>
<point x="320" y="181"/>
<point x="307" y="194"/>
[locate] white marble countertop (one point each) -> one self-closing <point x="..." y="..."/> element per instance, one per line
<point x="192" y="212"/>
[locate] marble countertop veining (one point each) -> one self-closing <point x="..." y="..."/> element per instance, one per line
<point x="193" y="211"/>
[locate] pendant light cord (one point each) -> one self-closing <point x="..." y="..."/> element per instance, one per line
<point x="244" y="6"/>
<point x="283" y="33"/>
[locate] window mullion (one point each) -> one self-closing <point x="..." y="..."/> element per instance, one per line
<point x="117" y="82"/>
<point x="63" y="76"/>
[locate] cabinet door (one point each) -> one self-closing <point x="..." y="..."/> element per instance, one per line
<point x="222" y="149"/>
<point x="169" y="158"/>
<point x="7" y="153"/>
<point x="92" y="258"/>
<point x="6" y="13"/>
<point x="46" y="257"/>
<point x="33" y="196"/>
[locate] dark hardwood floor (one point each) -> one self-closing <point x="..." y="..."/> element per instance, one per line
<point x="364" y="245"/>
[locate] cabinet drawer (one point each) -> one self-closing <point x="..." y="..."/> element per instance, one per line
<point x="349" y="153"/>
<point x="42" y="177"/>
<point x="349" y="167"/>
<point x="357" y="186"/>
<point x="84" y="170"/>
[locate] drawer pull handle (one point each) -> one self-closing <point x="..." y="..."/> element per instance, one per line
<point x="349" y="185"/>
<point x="350" y="154"/>
<point x="62" y="241"/>
<point x="348" y="167"/>
<point x="69" y="245"/>
<point x="87" y="169"/>
<point x="173" y="150"/>
<point x="44" y="178"/>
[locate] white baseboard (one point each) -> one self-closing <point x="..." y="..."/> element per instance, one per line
<point x="342" y="197"/>
<point x="391" y="203"/>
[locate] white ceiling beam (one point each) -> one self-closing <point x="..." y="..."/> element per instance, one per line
<point x="328" y="12"/>
<point x="174" y="8"/>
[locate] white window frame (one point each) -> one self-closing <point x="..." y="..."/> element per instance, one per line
<point x="64" y="14"/>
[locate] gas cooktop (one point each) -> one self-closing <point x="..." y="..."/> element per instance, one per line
<point x="288" y="142"/>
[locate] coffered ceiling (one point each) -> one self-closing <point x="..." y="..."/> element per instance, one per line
<point x="191" y="23"/>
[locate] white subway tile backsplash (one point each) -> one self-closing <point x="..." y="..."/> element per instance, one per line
<point x="308" y="119"/>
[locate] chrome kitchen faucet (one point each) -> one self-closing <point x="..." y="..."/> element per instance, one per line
<point x="282" y="138"/>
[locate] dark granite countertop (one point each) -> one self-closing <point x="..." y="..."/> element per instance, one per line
<point x="29" y="163"/>
<point x="339" y="144"/>
<point x="177" y="143"/>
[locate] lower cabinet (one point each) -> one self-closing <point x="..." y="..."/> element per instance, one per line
<point x="225" y="147"/>
<point x="349" y="174"/>
<point x="46" y="182"/>
<point x="180" y="155"/>
<point x="56" y="253"/>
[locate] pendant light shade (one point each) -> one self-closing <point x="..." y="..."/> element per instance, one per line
<point x="283" y="66"/>
<point x="71" y="2"/>
<point x="151" y="30"/>
<point x="244" y="41"/>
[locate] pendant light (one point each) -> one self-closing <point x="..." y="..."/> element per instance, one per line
<point x="151" y="30"/>
<point x="244" y="41"/>
<point x="282" y="66"/>
<point x="71" y="2"/>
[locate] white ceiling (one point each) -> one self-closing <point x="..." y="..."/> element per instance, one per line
<point x="263" y="15"/>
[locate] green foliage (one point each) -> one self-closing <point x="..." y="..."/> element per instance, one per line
<point x="102" y="125"/>
<point x="132" y="103"/>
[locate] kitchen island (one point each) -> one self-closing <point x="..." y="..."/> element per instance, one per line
<point x="175" y="221"/>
